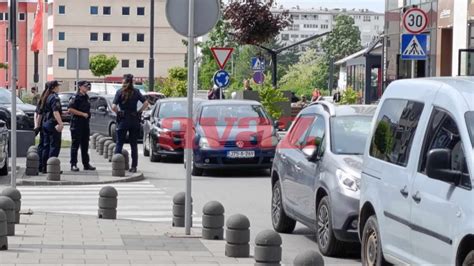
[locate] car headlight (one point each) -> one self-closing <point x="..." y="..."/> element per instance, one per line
<point x="204" y="143"/>
<point x="18" y="111"/>
<point x="347" y="181"/>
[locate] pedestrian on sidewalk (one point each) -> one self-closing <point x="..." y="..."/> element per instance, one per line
<point x="247" y="85"/>
<point x="52" y="124"/>
<point x="80" y="108"/>
<point x="35" y="95"/>
<point x="39" y="117"/>
<point x="128" y="117"/>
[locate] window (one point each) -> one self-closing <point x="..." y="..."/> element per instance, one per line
<point x="324" y="26"/>
<point x="294" y="36"/>
<point x="140" y="11"/>
<point x="298" y="133"/>
<point x="21" y="16"/>
<point x="106" y="37"/>
<point x="349" y="134"/>
<point x="1" y="17"/>
<point x="94" y="10"/>
<point x="94" y="36"/>
<point x="316" y="134"/>
<point x="443" y="133"/>
<point x="125" y="10"/>
<point x="125" y="63"/>
<point x="6" y="16"/>
<point x="140" y="37"/>
<point x="140" y="63"/>
<point x="61" y="62"/>
<point x="367" y="18"/>
<point x="62" y="10"/>
<point x="470" y="125"/>
<point x="107" y="10"/>
<point x="395" y="130"/>
<point x="125" y="37"/>
<point x="285" y="37"/>
<point x="61" y="36"/>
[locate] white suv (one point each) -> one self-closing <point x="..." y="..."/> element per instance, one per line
<point x="417" y="198"/>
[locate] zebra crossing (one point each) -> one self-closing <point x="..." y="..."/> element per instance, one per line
<point x="140" y="201"/>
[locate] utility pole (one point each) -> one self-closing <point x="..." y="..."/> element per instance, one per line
<point x="151" y="64"/>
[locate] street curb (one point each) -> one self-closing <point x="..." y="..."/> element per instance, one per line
<point x="134" y="178"/>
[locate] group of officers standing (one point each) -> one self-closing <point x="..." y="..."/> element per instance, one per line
<point x="49" y="125"/>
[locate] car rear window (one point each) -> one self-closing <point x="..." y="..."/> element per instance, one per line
<point x="234" y="114"/>
<point x="470" y="125"/>
<point x="173" y="109"/>
<point x="349" y="134"/>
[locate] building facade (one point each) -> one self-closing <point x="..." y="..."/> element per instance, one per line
<point x="309" y="22"/>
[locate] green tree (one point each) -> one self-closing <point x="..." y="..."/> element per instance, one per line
<point x="102" y="65"/>
<point x="344" y="39"/>
<point x="3" y="66"/>
<point x="270" y="97"/>
<point x="175" y="85"/>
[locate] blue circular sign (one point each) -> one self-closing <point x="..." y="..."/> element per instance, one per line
<point x="259" y="77"/>
<point x="221" y="79"/>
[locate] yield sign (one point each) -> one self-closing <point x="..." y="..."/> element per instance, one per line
<point x="222" y="55"/>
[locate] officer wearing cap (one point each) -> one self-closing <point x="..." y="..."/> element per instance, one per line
<point x="80" y="107"/>
<point x="125" y="104"/>
<point x="52" y="124"/>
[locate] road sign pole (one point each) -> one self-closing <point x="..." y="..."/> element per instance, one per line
<point x="413" y="69"/>
<point x="151" y="62"/>
<point x="13" y="17"/>
<point x="189" y="128"/>
<point x="77" y="69"/>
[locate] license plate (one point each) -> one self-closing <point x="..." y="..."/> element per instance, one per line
<point x="241" y="154"/>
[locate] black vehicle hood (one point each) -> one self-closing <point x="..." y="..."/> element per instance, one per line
<point x="22" y="106"/>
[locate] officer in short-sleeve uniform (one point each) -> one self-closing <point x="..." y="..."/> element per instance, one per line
<point x="52" y="125"/>
<point x="79" y="107"/>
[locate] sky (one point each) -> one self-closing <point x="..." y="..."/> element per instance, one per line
<point x="374" y="5"/>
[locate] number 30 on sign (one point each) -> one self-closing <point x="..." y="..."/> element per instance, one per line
<point x="415" y="20"/>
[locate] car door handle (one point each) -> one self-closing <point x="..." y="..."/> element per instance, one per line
<point x="283" y="157"/>
<point x="404" y="192"/>
<point x="416" y="197"/>
<point x="298" y="168"/>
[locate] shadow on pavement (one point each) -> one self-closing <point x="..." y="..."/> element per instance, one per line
<point x="237" y="173"/>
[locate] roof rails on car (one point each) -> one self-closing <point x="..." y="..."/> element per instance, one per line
<point x="327" y="106"/>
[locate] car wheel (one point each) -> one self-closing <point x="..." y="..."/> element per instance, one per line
<point x="372" y="254"/>
<point x="4" y="169"/>
<point x="469" y="260"/>
<point x="146" y="152"/>
<point x="196" y="171"/>
<point x="113" y="132"/>
<point x="281" y="222"/>
<point x="153" y="158"/>
<point x="328" y="244"/>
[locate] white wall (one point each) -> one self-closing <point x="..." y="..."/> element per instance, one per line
<point x="460" y="31"/>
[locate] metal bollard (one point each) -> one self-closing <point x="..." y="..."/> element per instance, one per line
<point x="127" y="159"/>
<point x="267" y="248"/>
<point x="15" y="195"/>
<point x="179" y="201"/>
<point x="101" y="145"/>
<point x="111" y="151"/>
<point x="213" y="221"/>
<point x="309" y="258"/>
<point x="3" y="231"/>
<point x="8" y="206"/>
<point x="108" y="203"/>
<point x="118" y="165"/>
<point x="32" y="164"/>
<point x="92" y="140"/>
<point x="53" y="168"/>
<point x="106" y="148"/>
<point x="237" y="236"/>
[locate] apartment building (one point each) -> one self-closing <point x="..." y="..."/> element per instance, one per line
<point x="309" y="22"/>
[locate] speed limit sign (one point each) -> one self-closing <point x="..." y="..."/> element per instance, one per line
<point x="415" y="20"/>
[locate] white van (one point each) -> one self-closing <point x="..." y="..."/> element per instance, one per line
<point x="111" y="88"/>
<point x="417" y="197"/>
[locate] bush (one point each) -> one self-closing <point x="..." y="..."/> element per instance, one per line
<point x="269" y="98"/>
<point x="349" y="96"/>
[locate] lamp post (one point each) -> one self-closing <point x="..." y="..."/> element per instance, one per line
<point x="151" y="67"/>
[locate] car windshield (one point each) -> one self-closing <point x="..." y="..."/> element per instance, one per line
<point x="65" y="97"/>
<point x="6" y="97"/>
<point x="172" y="109"/>
<point x="349" y="134"/>
<point x="470" y="125"/>
<point x="233" y="114"/>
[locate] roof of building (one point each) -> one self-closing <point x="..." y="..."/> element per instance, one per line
<point x="322" y="10"/>
<point x="362" y="52"/>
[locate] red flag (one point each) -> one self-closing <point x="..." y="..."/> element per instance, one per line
<point x="37" y="40"/>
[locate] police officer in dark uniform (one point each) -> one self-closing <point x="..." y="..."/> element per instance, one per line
<point x="80" y="107"/>
<point x="52" y="123"/>
<point x="128" y="117"/>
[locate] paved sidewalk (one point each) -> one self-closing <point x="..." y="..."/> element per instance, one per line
<point x="56" y="239"/>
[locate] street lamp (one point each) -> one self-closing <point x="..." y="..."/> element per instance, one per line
<point x="151" y="67"/>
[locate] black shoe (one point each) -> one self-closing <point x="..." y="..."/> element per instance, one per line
<point x="74" y="168"/>
<point x="133" y="170"/>
<point x="89" y="167"/>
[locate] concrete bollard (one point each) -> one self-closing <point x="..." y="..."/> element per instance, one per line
<point x="32" y="149"/>
<point x="8" y="206"/>
<point x="237" y="236"/>
<point x="127" y="159"/>
<point x="92" y="140"/>
<point x="53" y="169"/>
<point x="118" y="165"/>
<point x="15" y="195"/>
<point x="309" y="258"/>
<point x="3" y="231"/>
<point x="101" y="145"/>
<point x="32" y="164"/>
<point x="267" y="248"/>
<point x="213" y="221"/>
<point x="179" y="201"/>
<point x="111" y="151"/>
<point x="106" y="148"/>
<point x="108" y="203"/>
<point x="97" y="142"/>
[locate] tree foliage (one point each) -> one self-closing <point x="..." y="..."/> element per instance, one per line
<point x="344" y="39"/>
<point x="3" y="65"/>
<point x="175" y="85"/>
<point x="270" y="97"/>
<point x="349" y="96"/>
<point x="101" y="65"/>
<point x="253" y="22"/>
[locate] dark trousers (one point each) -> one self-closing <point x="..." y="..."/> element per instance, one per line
<point x="133" y="132"/>
<point x="42" y="164"/>
<point x="80" y="138"/>
<point x="52" y="144"/>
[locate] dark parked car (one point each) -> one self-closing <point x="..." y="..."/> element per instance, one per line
<point x="233" y="134"/>
<point x="3" y="148"/>
<point x="23" y="122"/>
<point x="164" y="128"/>
<point x="25" y="112"/>
<point x="65" y="97"/>
<point x="103" y="119"/>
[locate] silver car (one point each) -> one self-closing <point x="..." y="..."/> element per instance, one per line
<point x="316" y="173"/>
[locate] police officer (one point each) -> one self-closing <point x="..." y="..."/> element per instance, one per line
<point x="80" y="107"/>
<point x="52" y="123"/>
<point x="128" y="117"/>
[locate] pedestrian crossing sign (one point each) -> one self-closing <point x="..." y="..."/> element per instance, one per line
<point x="414" y="47"/>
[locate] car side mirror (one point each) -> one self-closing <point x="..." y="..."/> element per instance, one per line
<point x="438" y="166"/>
<point x="102" y="108"/>
<point x="310" y="152"/>
<point x="276" y="124"/>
